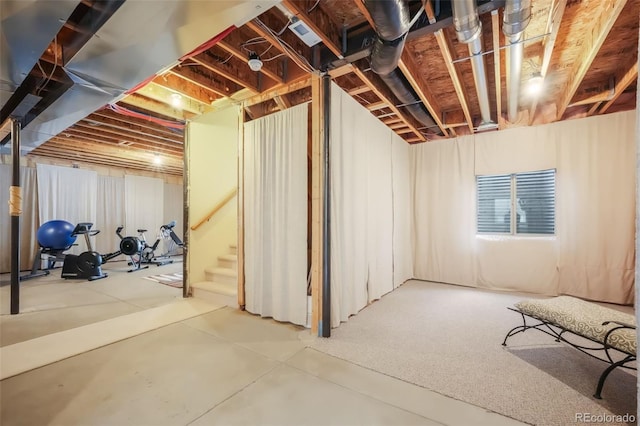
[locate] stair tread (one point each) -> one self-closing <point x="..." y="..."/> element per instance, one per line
<point x="222" y="271"/>
<point x="230" y="257"/>
<point x="214" y="287"/>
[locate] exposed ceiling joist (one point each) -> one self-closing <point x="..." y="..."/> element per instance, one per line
<point x="591" y="43"/>
<point x="216" y="85"/>
<point x="246" y="78"/>
<point x="553" y="25"/>
<point x="410" y="71"/>
<point x="135" y="125"/>
<point x="145" y="103"/>
<point x="622" y="82"/>
<point x="388" y="98"/>
<point x="183" y="87"/>
<point x="278" y="91"/>
<point x="445" y="48"/>
<point x="428" y="9"/>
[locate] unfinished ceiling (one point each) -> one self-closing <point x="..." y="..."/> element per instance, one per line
<point x="583" y="54"/>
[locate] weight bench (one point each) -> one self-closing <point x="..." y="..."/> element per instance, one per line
<point x="612" y="333"/>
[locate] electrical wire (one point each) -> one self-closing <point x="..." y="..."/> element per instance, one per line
<point x="415" y="18"/>
<point x="313" y="7"/>
<point x="300" y="60"/>
<point x="55" y="65"/>
<point x="179" y="125"/>
<point x="272" y="58"/>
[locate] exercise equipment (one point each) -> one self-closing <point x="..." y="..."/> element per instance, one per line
<point x="171" y="241"/>
<point x="140" y="253"/>
<point x="54" y="238"/>
<point x="86" y="265"/>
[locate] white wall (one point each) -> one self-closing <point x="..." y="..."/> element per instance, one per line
<point x="213" y="165"/>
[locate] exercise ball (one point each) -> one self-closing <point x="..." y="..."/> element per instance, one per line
<point x="56" y="234"/>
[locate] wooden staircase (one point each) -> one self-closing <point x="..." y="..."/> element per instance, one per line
<point x="221" y="285"/>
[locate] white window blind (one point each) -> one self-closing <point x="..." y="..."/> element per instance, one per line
<point x="530" y="195"/>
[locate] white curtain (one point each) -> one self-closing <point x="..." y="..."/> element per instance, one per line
<point x="275" y="221"/>
<point x="596" y="207"/>
<point x="592" y="254"/>
<point x="110" y="213"/>
<point x="144" y="205"/>
<point x="69" y="194"/>
<point x="28" y="219"/>
<point x="362" y="207"/>
<point x="443" y="219"/>
<point x="402" y="253"/>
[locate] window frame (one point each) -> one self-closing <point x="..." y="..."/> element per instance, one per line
<point x="513" y="206"/>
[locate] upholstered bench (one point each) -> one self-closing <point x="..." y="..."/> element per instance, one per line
<point x="612" y="333"/>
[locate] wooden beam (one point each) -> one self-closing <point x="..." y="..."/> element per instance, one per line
<point x="360" y="5"/>
<point x="115" y="135"/>
<point x="497" y="61"/>
<point x="278" y="91"/>
<point x="136" y="125"/>
<point x="376" y="105"/>
<point x="387" y="97"/>
<point x="622" y="82"/>
<point x="339" y="72"/>
<point x="454" y="119"/>
<point x="446" y="48"/>
<point x="158" y="107"/>
<point x="359" y="90"/>
<point x="411" y="72"/>
<point x="317" y="199"/>
<point x="164" y="95"/>
<point x="592" y="40"/>
<point x="593" y="109"/>
<point x="319" y="21"/>
<point x="185" y="88"/>
<point x="213" y="83"/>
<point x="428" y="9"/>
<point x="245" y="78"/>
<point x="281" y="101"/>
<point x="553" y="25"/>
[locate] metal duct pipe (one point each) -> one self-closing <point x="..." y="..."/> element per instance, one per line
<point x="391" y="22"/>
<point x="469" y="31"/>
<point x="517" y="14"/>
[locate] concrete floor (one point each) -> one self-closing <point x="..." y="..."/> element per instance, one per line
<point x="50" y="304"/>
<point x="224" y="367"/>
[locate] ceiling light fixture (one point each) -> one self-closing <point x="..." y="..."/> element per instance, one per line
<point x="534" y="85"/>
<point x="254" y="62"/>
<point x="157" y="159"/>
<point x="176" y="100"/>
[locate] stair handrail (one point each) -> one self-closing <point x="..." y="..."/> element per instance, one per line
<point x="217" y="207"/>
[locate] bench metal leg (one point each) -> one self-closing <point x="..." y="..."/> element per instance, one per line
<point x="606" y="373"/>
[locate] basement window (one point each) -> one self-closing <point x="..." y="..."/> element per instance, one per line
<point x="531" y="195"/>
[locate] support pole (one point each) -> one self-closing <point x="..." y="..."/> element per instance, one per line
<point x="15" y="210"/>
<point x="326" y="228"/>
<point x="186" y="228"/>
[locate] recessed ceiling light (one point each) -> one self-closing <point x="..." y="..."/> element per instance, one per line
<point x="157" y="159"/>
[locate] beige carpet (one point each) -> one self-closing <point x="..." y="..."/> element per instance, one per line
<point x="448" y="339"/>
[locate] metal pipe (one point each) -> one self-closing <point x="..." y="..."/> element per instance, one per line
<point x="15" y="210"/>
<point x="469" y="31"/>
<point x="517" y="14"/>
<point x="325" y="325"/>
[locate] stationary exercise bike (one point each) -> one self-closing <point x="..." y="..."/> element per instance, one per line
<point x="139" y="251"/>
<point x="171" y="241"/>
<point x="86" y="265"/>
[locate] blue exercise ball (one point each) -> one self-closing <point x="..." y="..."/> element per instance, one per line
<point x="56" y="234"/>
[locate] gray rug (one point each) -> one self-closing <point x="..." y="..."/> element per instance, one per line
<point x="448" y="339"/>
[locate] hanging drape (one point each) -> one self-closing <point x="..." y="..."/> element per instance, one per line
<point x="110" y="213"/>
<point x="443" y="219"/>
<point x="369" y="195"/>
<point x="275" y="215"/>
<point x="144" y="205"/>
<point x="28" y="220"/>
<point x="402" y="253"/>
<point x="592" y="253"/>
<point x="69" y="194"/>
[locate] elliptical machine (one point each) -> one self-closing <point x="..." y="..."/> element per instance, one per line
<point x="86" y="265"/>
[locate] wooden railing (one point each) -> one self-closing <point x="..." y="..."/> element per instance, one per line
<point x="214" y="210"/>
